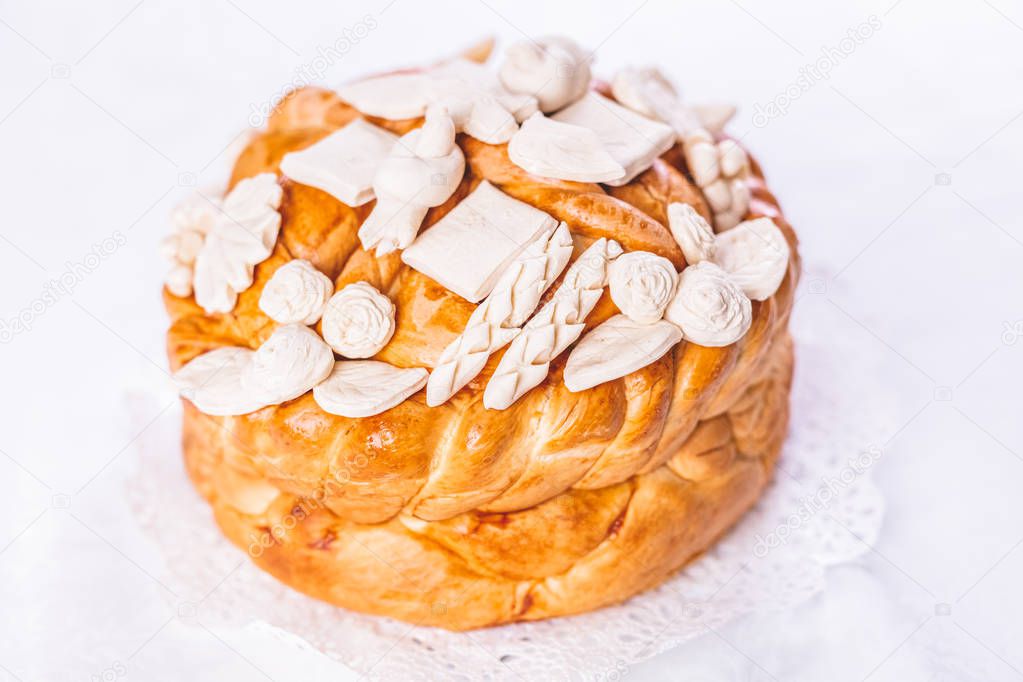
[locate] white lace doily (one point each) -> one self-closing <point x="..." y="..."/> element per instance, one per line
<point x="821" y="509"/>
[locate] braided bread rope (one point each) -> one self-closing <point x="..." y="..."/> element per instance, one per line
<point x="579" y="551"/>
<point x="561" y="503"/>
<point x="554" y="328"/>
<point x="496" y="321"/>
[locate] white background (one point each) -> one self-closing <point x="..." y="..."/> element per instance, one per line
<point x="900" y="171"/>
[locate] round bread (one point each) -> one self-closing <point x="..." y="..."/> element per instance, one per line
<point x="461" y="517"/>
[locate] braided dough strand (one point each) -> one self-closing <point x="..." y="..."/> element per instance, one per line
<point x="496" y="321"/>
<point x="554" y="328"/>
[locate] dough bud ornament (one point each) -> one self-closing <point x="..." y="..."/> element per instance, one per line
<point x="497" y="319"/>
<point x="296" y="292"/>
<point x="693" y="234"/>
<point x="196" y="213"/>
<point x="553" y="69"/>
<point x="720" y="170"/>
<point x="642" y="284"/>
<point x="755" y="254"/>
<point x="364" y="388"/>
<point x="358" y="321"/>
<point x="178" y="280"/>
<point x="242" y="236"/>
<point x="709" y="307"/>
<point x="554" y="328"/>
<point x="192" y="219"/>
<point x="232" y="381"/>
<point x="424" y="168"/>
<point x="289" y="363"/>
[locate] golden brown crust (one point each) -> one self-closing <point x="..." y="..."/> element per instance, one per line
<point x="579" y="550"/>
<point x="459" y="516"/>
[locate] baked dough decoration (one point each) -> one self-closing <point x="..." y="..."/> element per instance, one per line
<point x="554" y="328"/>
<point x="469" y="248"/>
<point x="553" y="69"/>
<point x="477" y="102"/>
<point x="212" y="382"/>
<point x="642" y="284"/>
<point x="358" y="321"/>
<point x="286" y="365"/>
<point x="617" y="347"/>
<point x="232" y="381"/>
<point x="709" y="307"/>
<point x="423" y="170"/>
<point x="649" y="92"/>
<point x="714" y="117"/>
<point x="242" y="236"/>
<point x="553" y="149"/>
<point x="364" y="388"/>
<point x="496" y="321"/>
<point x="394" y="96"/>
<point x="468" y="81"/>
<point x="692" y="233"/>
<point x="192" y="219"/>
<point x="343" y="163"/>
<point x="633" y="140"/>
<point x="722" y="171"/>
<point x="755" y="254"/>
<point x="296" y="292"/>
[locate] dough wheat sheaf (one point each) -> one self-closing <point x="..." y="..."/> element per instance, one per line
<point x="534" y="412"/>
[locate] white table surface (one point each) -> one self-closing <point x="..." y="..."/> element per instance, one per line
<point x="899" y="170"/>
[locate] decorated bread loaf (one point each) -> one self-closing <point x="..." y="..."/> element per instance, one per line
<point x="472" y="344"/>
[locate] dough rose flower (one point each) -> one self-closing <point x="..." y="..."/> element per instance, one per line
<point x="289" y="363"/>
<point x="358" y="321"/>
<point x="709" y="307"/>
<point x="756" y="255"/>
<point x="642" y="284"/>
<point x="297" y="292"/>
